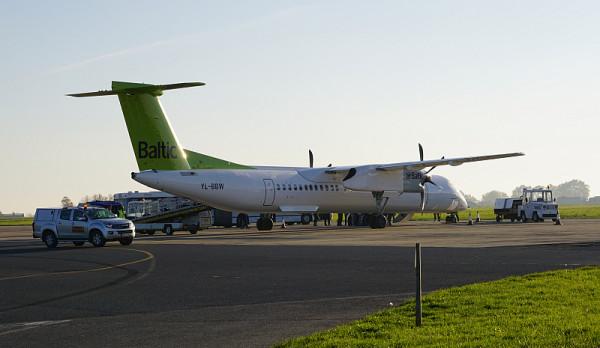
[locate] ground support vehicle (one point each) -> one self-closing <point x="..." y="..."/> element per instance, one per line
<point x="160" y="211"/>
<point x="191" y="219"/>
<point x="507" y="208"/>
<point x="80" y="225"/>
<point x="538" y="204"/>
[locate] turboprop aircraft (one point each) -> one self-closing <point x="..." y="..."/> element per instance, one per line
<point x="376" y="189"/>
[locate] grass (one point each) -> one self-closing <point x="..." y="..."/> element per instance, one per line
<point x="486" y="213"/>
<point x="550" y="309"/>
<point x="16" y="222"/>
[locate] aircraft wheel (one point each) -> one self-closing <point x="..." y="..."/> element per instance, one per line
<point x="241" y="221"/>
<point x="264" y="224"/>
<point x="379" y="221"/>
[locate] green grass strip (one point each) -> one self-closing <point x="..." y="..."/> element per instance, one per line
<point x="550" y="309"/>
<point x="16" y="222"/>
<point x="566" y="212"/>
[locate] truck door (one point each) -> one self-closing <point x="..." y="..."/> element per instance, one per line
<point x="269" y="192"/>
<point x="63" y="226"/>
<point x="79" y="225"/>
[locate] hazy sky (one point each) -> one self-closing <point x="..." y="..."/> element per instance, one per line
<point x="355" y="81"/>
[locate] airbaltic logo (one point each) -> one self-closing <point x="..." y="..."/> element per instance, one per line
<point x="160" y="150"/>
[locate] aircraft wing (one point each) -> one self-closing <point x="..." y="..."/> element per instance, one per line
<point x="417" y="165"/>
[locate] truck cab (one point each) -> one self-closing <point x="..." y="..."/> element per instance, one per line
<point x="538" y="204"/>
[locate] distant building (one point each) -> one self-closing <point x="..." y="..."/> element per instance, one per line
<point x="594" y="200"/>
<point x="12" y="216"/>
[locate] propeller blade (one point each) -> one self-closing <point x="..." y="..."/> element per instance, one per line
<point x="432" y="168"/>
<point x="311" y="159"/>
<point x="422" y="197"/>
<point x="421" y="151"/>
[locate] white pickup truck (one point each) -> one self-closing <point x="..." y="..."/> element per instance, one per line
<point x="78" y="225"/>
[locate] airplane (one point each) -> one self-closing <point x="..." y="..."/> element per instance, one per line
<point x="374" y="189"/>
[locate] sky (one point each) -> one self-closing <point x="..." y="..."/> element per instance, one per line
<point x="356" y="81"/>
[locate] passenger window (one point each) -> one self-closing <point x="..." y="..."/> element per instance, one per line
<point x="65" y="214"/>
<point x="300" y="187"/>
<point x="305" y="187"/>
<point x="283" y="187"/>
<point x="78" y="215"/>
<point x="295" y="187"/>
<point x="326" y="187"/>
<point x="310" y="187"/>
<point x="278" y="187"/>
<point x="321" y="187"/>
<point x="289" y="187"/>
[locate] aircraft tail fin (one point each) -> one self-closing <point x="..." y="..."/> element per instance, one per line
<point x="154" y="143"/>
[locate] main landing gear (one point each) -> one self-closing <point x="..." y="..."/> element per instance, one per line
<point x="379" y="220"/>
<point x="264" y="223"/>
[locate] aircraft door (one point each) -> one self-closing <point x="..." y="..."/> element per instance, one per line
<point x="269" y="192"/>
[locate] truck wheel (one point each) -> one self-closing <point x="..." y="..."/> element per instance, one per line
<point x="78" y="243"/>
<point x="498" y="218"/>
<point x="535" y="217"/>
<point x="523" y="217"/>
<point x="305" y="219"/>
<point x="168" y="230"/>
<point x="126" y="240"/>
<point x="97" y="239"/>
<point x="512" y="219"/>
<point x="50" y="239"/>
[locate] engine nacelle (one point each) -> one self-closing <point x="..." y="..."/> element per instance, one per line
<point x="373" y="180"/>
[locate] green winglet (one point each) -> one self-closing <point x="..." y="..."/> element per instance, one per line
<point x="154" y="143"/>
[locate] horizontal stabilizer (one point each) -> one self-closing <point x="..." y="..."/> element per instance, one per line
<point x="137" y="88"/>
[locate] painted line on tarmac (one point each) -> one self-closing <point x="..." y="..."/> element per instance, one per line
<point x="149" y="256"/>
<point x="18" y="327"/>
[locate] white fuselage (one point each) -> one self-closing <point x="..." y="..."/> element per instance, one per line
<point x="288" y="190"/>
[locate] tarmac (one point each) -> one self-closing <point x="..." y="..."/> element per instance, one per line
<point x="244" y="288"/>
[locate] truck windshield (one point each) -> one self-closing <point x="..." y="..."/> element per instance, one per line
<point x="99" y="214"/>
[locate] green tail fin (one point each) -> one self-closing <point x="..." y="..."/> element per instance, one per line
<point x="200" y="161"/>
<point x="154" y="143"/>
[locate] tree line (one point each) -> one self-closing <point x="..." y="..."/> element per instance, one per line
<point x="66" y="202"/>
<point x="573" y="191"/>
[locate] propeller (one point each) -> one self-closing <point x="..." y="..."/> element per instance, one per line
<point x="311" y="158"/>
<point x="426" y="178"/>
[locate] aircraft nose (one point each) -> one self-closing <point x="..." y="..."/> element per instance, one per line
<point x="462" y="202"/>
